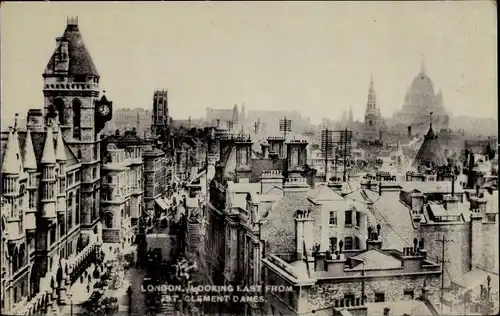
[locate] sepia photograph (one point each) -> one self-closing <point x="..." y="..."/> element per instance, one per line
<point x="255" y="158"/>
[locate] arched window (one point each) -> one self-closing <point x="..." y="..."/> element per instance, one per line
<point x="108" y="220"/>
<point x="59" y="105"/>
<point x="77" y="108"/>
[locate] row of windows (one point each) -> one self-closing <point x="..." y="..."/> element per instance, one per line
<point x="350" y="243"/>
<point x="348" y="220"/>
<point x="73" y="178"/>
<point x="60" y="107"/>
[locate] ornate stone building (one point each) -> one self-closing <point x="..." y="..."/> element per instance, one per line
<point x="51" y="184"/>
<point x="160" y="127"/>
<point x="420" y="100"/>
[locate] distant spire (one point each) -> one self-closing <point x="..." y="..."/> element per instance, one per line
<point x="10" y="163"/>
<point x="29" y="159"/>
<point x="49" y="155"/>
<point x="371" y="104"/>
<point x="60" y="152"/>
<point x="431" y="119"/>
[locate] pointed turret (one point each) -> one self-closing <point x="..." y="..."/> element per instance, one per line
<point x="10" y="164"/>
<point x="430" y="153"/>
<point x="350" y="114"/>
<point x="235" y="114"/>
<point x="60" y="152"/>
<point x="49" y="154"/>
<point x="17" y="149"/>
<point x="29" y="159"/>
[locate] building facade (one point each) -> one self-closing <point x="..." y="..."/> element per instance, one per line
<point x="122" y="198"/>
<point x="157" y="172"/>
<point x="51" y="188"/>
<point x="126" y="119"/>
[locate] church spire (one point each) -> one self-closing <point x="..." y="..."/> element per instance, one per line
<point x="371" y="104"/>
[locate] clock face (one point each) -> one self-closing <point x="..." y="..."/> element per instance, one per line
<point x="104" y="109"/>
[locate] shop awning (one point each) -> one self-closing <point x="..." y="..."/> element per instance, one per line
<point x="161" y="203"/>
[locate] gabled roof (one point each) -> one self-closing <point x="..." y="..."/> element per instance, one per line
<point x="324" y="193"/>
<point x="80" y="61"/>
<point x="397" y="229"/>
<point x="374" y="259"/>
<point x="430" y="152"/>
<point x="476" y="277"/>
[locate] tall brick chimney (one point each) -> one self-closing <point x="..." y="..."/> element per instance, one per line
<point x="265" y="150"/>
<point x="478" y="210"/>
<point x="304" y="226"/>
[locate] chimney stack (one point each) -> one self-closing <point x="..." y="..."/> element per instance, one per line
<point x="265" y="150"/>
<point x="304" y="232"/>
<point x="374" y="241"/>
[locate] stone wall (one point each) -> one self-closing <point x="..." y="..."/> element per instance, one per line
<point x="490" y="246"/>
<point x="324" y="293"/>
<point x="457" y="250"/>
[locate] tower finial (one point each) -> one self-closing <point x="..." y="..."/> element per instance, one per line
<point x="16" y="118"/>
<point x="72" y="20"/>
<point x="422" y="65"/>
<point x="431" y="118"/>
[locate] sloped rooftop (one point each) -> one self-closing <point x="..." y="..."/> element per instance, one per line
<point x="430" y="152"/>
<point x="80" y="61"/>
<point x="374" y="259"/>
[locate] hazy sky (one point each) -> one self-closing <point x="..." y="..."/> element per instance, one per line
<point x="315" y="57"/>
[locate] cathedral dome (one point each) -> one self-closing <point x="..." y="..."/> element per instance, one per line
<point x="422" y="85"/>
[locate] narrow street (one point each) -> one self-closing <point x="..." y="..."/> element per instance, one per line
<point x="134" y="277"/>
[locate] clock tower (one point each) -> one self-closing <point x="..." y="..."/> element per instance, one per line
<point x="71" y="92"/>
